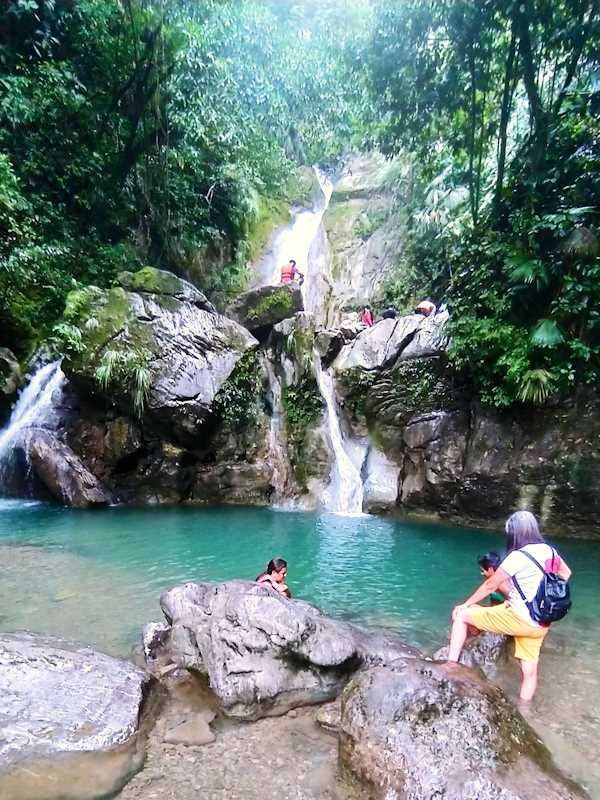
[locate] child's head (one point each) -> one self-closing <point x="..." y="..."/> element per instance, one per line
<point x="277" y="569"/>
<point x="488" y="564"/>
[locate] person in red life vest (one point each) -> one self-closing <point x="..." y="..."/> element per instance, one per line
<point x="366" y="316"/>
<point x="426" y="308"/>
<point x="290" y="272"/>
<point x="274" y="576"/>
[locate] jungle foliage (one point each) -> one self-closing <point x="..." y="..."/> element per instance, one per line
<point x="158" y="132"/>
<point x="494" y="107"/>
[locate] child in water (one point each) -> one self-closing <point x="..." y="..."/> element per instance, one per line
<point x="275" y="575"/>
<point x="488" y="564"/>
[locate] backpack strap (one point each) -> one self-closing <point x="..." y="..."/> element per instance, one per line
<point x="537" y="563"/>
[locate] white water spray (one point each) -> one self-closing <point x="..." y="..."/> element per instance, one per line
<point x="33" y="408"/>
<point x="344" y="493"/>
<point x="295" y="240"/>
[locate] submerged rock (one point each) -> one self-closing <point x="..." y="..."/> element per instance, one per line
<point x="60" y="699"/>
<point x="422" y="730"/>
<point x="63" y="473"/>
<point x="260" y="309"/>
<point x="265" y="654"/>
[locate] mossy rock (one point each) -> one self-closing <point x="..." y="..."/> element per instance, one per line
<point x="150" y="280"/>
<point x="261" y="309"/>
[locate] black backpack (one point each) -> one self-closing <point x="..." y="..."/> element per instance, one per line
<point x="553" y="597"/>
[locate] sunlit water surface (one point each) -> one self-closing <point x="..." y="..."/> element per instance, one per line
<point x="97" y="576"/>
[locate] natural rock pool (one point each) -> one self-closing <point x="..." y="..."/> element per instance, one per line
<point x="96" y="577"/>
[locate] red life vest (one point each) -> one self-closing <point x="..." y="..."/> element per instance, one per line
<point x="288" y="271"/>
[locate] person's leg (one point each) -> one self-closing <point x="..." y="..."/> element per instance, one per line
<point x="529" y="672"/>
<point x="458" y="635"/>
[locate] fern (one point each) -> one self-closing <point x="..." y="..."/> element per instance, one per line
<point x="127" y="372"/>
<point x="536" y="386"/>
<point x="141" y="386"/>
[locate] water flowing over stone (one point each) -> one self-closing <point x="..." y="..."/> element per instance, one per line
<point x="295" y="240"/>
<point x="34" y="409"/>
<point x="344" y="493"/>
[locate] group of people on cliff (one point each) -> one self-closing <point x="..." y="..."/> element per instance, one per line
<point x="520" y="596"/>
<point x="290" y="274"/>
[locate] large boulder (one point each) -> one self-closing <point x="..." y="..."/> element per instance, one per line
<point x="422" y="730"/>
<point x="62" y="700"/>
<point x="260" y="309"/>
<point x="378" y="346"/>
<point x="263" y="653"/>
<point x="390" y="340"/>
<point x="63" y="473"/>
<point x="156" y="335"/>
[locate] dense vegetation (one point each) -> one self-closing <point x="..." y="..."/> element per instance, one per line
<point x="158" y="132"/>
<point x="167" y="132"/>
<point x="494" y="106"/>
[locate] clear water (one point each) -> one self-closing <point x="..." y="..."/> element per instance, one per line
<point x="96" y="576"/>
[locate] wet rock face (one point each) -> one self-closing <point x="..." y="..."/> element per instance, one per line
<point x="10" y="377"/>
<point x="63" y="473"/>
<point x="390" y="340"/>
<point x="59" y="698"/>
<point x="168" y="325"/>
<point x="260" y="309"/>
<point x="422" y="730"/>
<point x="265" y="654"/>
<point x="363" y="234"/>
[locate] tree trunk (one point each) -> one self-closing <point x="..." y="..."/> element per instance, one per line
<point x="507" y="93"/>
<point x="523" y="13"/>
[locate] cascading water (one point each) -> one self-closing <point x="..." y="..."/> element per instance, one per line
<point x="34" y="409"/>
<point x="344" y="493"/>
<point x="295" y="240"/>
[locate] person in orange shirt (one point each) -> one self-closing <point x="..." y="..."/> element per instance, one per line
<point x="289" y="273"/>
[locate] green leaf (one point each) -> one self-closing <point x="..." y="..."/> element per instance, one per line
<point x="547" y="334"/>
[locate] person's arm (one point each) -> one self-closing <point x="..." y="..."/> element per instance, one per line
<point x="491" y="584"/>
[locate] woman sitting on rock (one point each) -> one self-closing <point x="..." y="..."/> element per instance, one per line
<point x="527" y="553"/>
<point x="274" y="576"/>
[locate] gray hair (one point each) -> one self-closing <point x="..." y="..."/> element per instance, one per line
<point x="521" y="529"/>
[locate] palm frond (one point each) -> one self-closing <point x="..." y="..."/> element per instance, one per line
<point x="547" y="334"/>
<point x="536" y="386"/>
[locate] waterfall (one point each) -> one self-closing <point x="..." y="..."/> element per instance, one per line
<point x="294" y="241"/>
<point x="344" y="493"/>
<point x="33" y="409"/>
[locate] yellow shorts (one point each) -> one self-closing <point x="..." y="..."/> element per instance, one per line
<point x="502" y="619"/>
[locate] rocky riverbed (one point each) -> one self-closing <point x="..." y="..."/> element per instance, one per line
<point x="277" y="757"/>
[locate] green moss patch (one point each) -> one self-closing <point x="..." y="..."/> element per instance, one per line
<point x="279" y="303"/>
